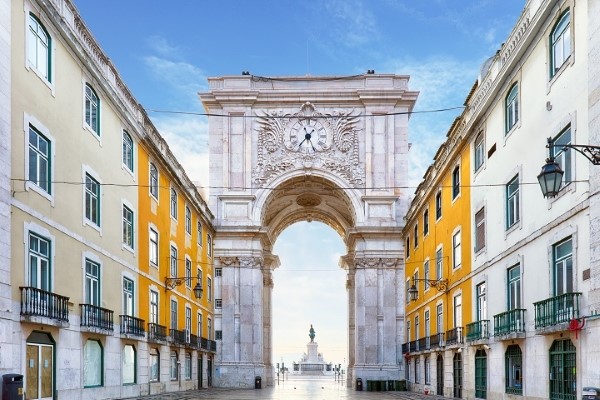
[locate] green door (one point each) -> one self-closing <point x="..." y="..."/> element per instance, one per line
<point x="563" y="377"/>
<point x="481" y="374"/>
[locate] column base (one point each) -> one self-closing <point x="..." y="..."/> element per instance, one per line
<point x="242" y="375"/>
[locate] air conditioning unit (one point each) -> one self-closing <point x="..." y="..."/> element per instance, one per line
<point x="187" y="335"/>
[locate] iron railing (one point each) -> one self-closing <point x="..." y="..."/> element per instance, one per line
<point x="157" y="333"/>
<point x="132" y="325"/>
<point x="177" y="336"/>
<point x="454" y="336"/>
<point x="212" y="345"/>
<point x="478" y="330"/>
<point x="556" y="310"/>
<point x="96" y="317"/>
<point x="405" y="348"/>
<point x="508" y="322"/>
<point x="437" y="340"/>
<point x="194" y="342"/>
<point x="204" y="343"/>
<point x="40" y="303"/>
<point x="423" y="343"/>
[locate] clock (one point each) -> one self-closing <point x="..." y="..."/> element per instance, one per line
<point x="307" y="135"/>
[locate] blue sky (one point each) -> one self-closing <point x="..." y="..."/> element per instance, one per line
<point x="165" y="50"/>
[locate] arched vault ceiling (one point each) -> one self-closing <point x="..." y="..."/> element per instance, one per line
<point x="307" y="198"/>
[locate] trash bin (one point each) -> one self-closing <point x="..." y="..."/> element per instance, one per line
<point x="12" y="387"/>
<point x="359" y="387"/>
<point x="591" y="393"/>
<point x="257" y="382"/>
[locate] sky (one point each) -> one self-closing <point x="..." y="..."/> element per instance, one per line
<point x="165" y="50"/>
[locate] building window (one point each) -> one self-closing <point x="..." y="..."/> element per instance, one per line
<point x="514" y="287"/>
<point x="455" y="182"/>
<point x="93" y="364"/>
<point x="416" y="235"/>
<point x="209" y="245"/>
<point x="199" y="325"/>
<point x="416" y="282"/>
<point x="427" y="371"/>
<point x="199" y="229"/>
<point x="427" y="325"/>
<point x="173" y="366"/>
<point x="128" y="293"/>
<point x="406" y="294"/>
<point x="209" y="288"/>
<point x="92" y="200"/>
<point x="92" y="283"/>
<point x="173" y="314"/>
<point x="438" y="205"/>
<point x="425" y="222"/>
<point x="127" y="227"/>
<point x="417" y="328"/>
<point x="40" y="270"/>
<point x="418" y="370"/>
<point x="563" y="267"/>
<point x="563" y="370"/>
<point x="154" y="365"/>
<point x="129" y="365"/>
<point x="512" y="202"/>
<point x="561" y="155"/>
<point x="439" y="323"/>
<point x="188" y="272"/>
<point x="173" y="203"/>
<point x="456" y="250"/>
<point x="127" y="151"/>
<point x="407" y="246"/>
<point x="209" y="328"/>
<point x="39" y="48"/>
<point x="218" y="335"/>
<point x="188" y="220"/>
<point x="480" y="230"/>
<point x="481" y="302"/>
<point x="458" y="311"/>
<point x="513" y="370"/>
<point x="153" y="181"/>
<point x="188" y="366"/>
<point x="426" y="274"/>
<point x="92" y="109"/>
<point x="407" y="370"/>
<point x="188" y="319"/>
<point x="438" y="264"/>
<point x="218" y="272"/>
<point x="479" y="156"/>
<point x="512" y="107"/>
<point x="153" y="307"/>
<point x="218" y="303"/>
<point x="153" y="247"/>
<point x="560" y="43"/>
<point x="39" y="171"/>
<point x="408" y="331"/>
<point x="173" y="261"/>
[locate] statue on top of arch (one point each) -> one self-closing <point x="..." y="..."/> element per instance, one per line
<point x="311" y="334"/>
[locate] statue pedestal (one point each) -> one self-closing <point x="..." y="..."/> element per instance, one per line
<point x="313" y="352"/>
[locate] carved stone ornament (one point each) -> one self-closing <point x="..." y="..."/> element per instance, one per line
<point x="308" y="138"/>
<point x="308" y="200"/>
<point x="250" y="262"/>
<point x="377" y="262"/>
<point x="228" y="261"/>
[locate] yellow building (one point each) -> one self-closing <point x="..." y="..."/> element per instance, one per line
<point x="437" y="238"/>
<point x="177" y="279"/>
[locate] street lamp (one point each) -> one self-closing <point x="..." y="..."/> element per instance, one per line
<point x="550" y="178"/>
<point x="440" y="284"/>
<point x="172" y="283"/>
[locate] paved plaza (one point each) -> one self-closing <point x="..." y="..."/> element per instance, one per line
<point x="292" y="389"/>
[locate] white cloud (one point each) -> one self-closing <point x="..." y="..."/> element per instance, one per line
<point x="162" y="47"/>
<point x="352" y="23"/>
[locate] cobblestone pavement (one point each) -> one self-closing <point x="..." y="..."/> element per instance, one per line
<point x="293" y="389"/>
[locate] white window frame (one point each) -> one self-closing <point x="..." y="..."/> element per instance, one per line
<point x="456" y="249"/>
<point x="127" y="151"/>
<point x="151" y="229"/>
<point x="561" y="41"/>
<point x="86" y="221"/>
<point x="174" y="202"/>
<point x="479" y="152"/>
<point x="30" y="121"/>
<point x="125" y="205"/>
<point x="173" y="262"/>
<point x="514" y="199"/>
<point x="152" y="185"/>
<point x="94" y="130"/>
<point x="511" y="108"/>
<point x="47" y="77"/>
<point x="188" y="220"/>
<point x="43" y="233"/>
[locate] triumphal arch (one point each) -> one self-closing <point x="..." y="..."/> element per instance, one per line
<point x="289" y="149"/>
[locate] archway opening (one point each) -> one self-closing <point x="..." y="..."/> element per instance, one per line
<point x="309" y="288"/>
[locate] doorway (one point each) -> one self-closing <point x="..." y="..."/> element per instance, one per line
<point x="209" y="371"/>
<point x="200" y="371"/>
<point x="440" y="375"/>
<point x="457" y="372"/>
<point x="39" y="369"/>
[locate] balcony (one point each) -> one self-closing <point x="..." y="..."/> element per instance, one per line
<point x="96" y="319"/>
<point x="405" y="348"/>
<point x="454" y="337"/>
<point x="157" y="333"/>
<point x="177" y="336"/>
<point x="131" y="326"/>
<point x="478" y="331"/>
<point x="437" y="340"/>
<point x="212" y="346"/>
<point x="554" y="314"/>
<point x="194" y="342"/>
<point x="423" y="343"/>
<point x="510" y="324"/>
<point x="42" y="307"/>
<point x="204" y="343"/>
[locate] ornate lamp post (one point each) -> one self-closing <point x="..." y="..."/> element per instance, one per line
<point x="440" y="284"/>
<point x="172" y="283"/>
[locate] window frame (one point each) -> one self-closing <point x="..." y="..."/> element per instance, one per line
<point x="128" y="235"/>
<point x="154" y="372"/>
<point x="100" y="369"/>
<point x="92" y="101"/>
<point x="480" y="234"/>
<point x="173" y="365"/>
<point x="455" y="182"/>
<point x="209" y="245"/>
<point x="174" y="201"/>
<point x="511" y="108"/>
<point x="456" y="249"/>
<point x="481" y="301"/>
<point x="438" y="205"/>
<point x="153" y="180"/>
<point x="188" y="220"/>
<point x="153" y="256"/>
<point x="478" y="152"/>
<point x="426" y="222"/>
<point x="41" y="258"/>
<point x="89" y="195"/>
<point x="45" y="74"/>
<point x="563" y="157"/>
<point x="513" y="356"/>
<point x="416" y="235"/>
<point x="513" y="289"/>
<point x="173" y="262"/>
<point x="127" y="152"/>
<point x="567" y="267"/>
<point x="560" y="35"/>
<point x="128" y="296"/>
<point x="39" y="154"/>
<point x="513" y="202"/>
<point x="154" y="310"/>
<point x="123" y="365"/>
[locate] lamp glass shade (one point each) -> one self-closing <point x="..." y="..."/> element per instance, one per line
<point x="198" y="290"/>
<point x="550" y="178"/>
<point x="413" y="293"/>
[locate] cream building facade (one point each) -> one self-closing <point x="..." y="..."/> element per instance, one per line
<point x="82" y="321"/>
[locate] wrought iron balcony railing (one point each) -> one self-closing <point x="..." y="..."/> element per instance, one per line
<point x="40" y="303"/>
<point x="212" y="346"/>
<point x="436" y="340"/>
<point x="556" y="310"/>
<point x="508" y="322"/>
<point x="405" y="348"/>
<point x="177" y="336"/>
<point x="157" y="333"/>
<point x="96" y="317"/>
<point x="454" y="336"/>
<point x="131" y="325"/>
<point x="194" y="341"/>
<point x="423" y="343"/>
<point x="478" y="330"/>
<point x="204" y="343"/>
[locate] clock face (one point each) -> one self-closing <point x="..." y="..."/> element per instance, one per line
<point x="308" y="135"/>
